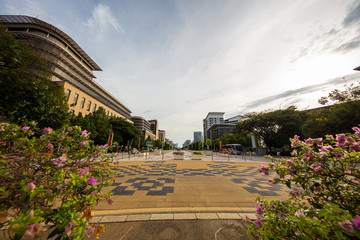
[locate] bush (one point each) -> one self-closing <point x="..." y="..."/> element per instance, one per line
<point x="197" y="153"/>
<point x="51" y="178"/>
<point x="324" y="202"/>
<point x="178" y="153"/>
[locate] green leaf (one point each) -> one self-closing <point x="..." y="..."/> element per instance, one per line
<point x="339" y="235"/>
<point x="293" y="218"/>
<point x="288" y="184"/>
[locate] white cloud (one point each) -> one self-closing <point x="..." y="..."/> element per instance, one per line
<point x="101" y="21"/>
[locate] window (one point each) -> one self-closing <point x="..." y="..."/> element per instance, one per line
<point x="76" y="97"/>
<point x="67" y="93"/>
<point x="88" y="106"/>
<point x="94" y="109"/>
<point x="111" y="114"/>
<point x="108" y="113"/>
<point x="72" y="111"/>
<point x="82" y="102"/>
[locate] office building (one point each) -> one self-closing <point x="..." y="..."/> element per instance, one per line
<point x="198" y="137"/>
<point x="144" y="126"/>
<point x="212" y="118"/>
<point x="154" y="127"/>
<point x="70" y="65"/>
<point x="162" y="135"/>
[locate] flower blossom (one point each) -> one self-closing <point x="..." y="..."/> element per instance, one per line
<point x="50" y="146"/>
<point x="30" y="186"/>
<point x="299" y="213"/>
<point x="84" y="133"/>
<point x="272" y="181"/>
<point x="83" y="143"/>
<point x="246" y="219"/>
<point x="110" y="201"/>
<point x="347" y="226"/>
<point x="47" y="130"/>
<point x="2" y="129"/>
<point x="356" y="221"/>
<point x="33" y="229"/>
<point x="289" y="162"/>
<point x="92" y="180"/>
<point x="317" y="168"/>
<point x="31" y="214"/>
<point x="68" y="228"/>
<point x="259" y="210"/>
<point x="59" y="160"/>
<point x="258" y="223"/>
<point x="116" y="162"/>
<point x="263" y="169"/>
<point x="88" y="231"/>
<point x="318" y="189"/>
<point x="25" y="128"/>
<point x="341" y="140"/>
<point x="84" y="171"/>
<point x="309" y="141"/>
<point x="296" y="193"/>
<point x="272" y="207"/>
<point x="357" y="131"/>
<point x="69" y="129"/>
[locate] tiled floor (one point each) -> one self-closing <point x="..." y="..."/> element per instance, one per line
<point x="188" y="186"/>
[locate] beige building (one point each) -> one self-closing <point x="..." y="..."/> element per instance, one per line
<point x="70" y="65"/>
<point x="162" y="136"/>
<point x="144" y="126"/>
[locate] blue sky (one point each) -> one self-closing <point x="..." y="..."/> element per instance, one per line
<point x="175" y="61"/>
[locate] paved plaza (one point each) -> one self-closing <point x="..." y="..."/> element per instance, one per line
<point x="216" y="184"/>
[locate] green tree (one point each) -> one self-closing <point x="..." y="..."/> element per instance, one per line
<point x="157" y="143"/>
<point x="216" y="144"/>
<point x="123" y="130"/>
<point x="208" y="143"/>
<point x="26" y="92"/>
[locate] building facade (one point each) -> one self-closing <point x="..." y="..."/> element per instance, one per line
<point x="198" y="137"/>
<point x="71" y="67"/>
<point x="154" y="127"/>
<point x="212" y="118"/>
<point x="162" y="135"/>
<point x="144" y="126"/>
<point x="219" y="129"/>
<point x="186" y="143"/>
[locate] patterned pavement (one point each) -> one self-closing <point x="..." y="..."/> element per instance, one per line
<point x="188" y="186"/>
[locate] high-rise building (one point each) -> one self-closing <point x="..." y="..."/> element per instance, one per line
<point x="212" y="118"/>
<point x="144" y="126"/>
<point x="154" y="127"/>
<point x="162" y="135"/>
<point x="186" y="143"/>
<point x="198" y="137"/>
<point x="71" y="67"/>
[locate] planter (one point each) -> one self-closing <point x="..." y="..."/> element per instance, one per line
<point x="196" y="157"/>
<point x="178" y="157"/>
<point x="157" y="152"/>
<point x="208" y="153"/>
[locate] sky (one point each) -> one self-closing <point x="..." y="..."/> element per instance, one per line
<point x="177" y="60"/>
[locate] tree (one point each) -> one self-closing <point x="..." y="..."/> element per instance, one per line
<point x="123" y="130"/>
<point x="208" y="143"/>
<point x="157" y="143"/>
<point x="26" y="92"/>
<point x="273" y="128"/>
<point x="351" y="93"/>
<point x="216" y="144"/>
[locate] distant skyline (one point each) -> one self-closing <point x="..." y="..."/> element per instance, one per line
<point x="177" y="60"/>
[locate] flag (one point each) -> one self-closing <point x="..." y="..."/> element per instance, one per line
<point x="220" y="146"/>
<point x="110" y="140"/>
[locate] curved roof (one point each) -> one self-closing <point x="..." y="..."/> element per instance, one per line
<point x="34" y="22"/>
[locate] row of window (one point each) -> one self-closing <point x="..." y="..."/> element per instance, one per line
<point x="82" y="103"/>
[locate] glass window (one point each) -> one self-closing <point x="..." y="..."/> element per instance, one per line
<point x="89" y="105"/>
<point x="76" y="97"/>
<point x="108" y="113"/>
<point x="67" y="93"/>
<point x="94" y="109"/>
<point x="82" y="102"/>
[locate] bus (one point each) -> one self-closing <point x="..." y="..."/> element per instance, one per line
<point x="233" y="149"/>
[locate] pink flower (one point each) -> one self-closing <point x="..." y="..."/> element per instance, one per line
<point x="271" y="181"/>
<point x="85" y="134"/>
<point x="83" y="143"/>
<point x="92" y="180"/>
<point x="30" y="186"/>
<point x="117" y="155"/>
<point x="294" y="153"/>
<point x="291" y="170"/>
<point x="258" y="223"/>
<point x="68" y="228"/>
<point x="246" y="219"/>
<point x="69" y="129"/>
<point x="50" y="146"/>
<point x="317" y="168"/>
<point x="59" y="160"/>
<point x="2" y="129"/>
<point x="341" y="140"/>
<point x="281" y="214"/>
<point x="263" y="169"/>
<point x="83" y="172"/>
<point x="329" y="137"/>
<point x="355" y="147"/>
<point x="309" y="141"/>
<point x="356" y="221"/>
<point x="299" y="213"/>
<point x="259" y="210"/>
<point x="347" y="226"/>
<point x="60" y="186"/>
<point x="296" y="137"/>
<point x="296" y="193"/>
<point x="348" y="172"/>
<point x="272" y="207"/>
<point x="33" y="229"/>
<point x="47" y="130"/>
<point x="318" y="189"/>
<point x="116" y="162"/>
<point x="289" y="162"/>
<point x="327" y="148"/>
<point x="25" y="128"/>
<point x="110" y="201"/>
<point x="89" y="230"/>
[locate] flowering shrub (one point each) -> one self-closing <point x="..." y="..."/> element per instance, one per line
<point x="197" y="153"/>
<point x="51" y="179"/>
<point x="324" y="201"/>
<point x="178" y="153"/>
